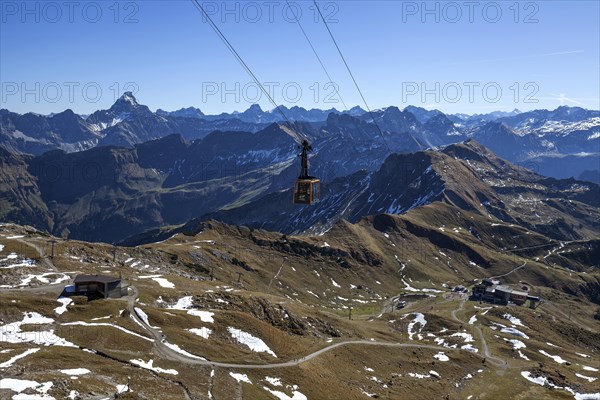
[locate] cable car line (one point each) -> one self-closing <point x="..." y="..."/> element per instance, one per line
<point x="239" y="59"/>
<point x="351" y="75"/>
<point x="316" y="54"/>
<point x="307" y="189"/>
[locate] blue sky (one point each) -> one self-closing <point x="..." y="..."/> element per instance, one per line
<point x="447" y="55"/>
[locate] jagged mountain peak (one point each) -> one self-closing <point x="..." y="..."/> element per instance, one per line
<point x="67" y="116"/>
<point x="189" y="112"/>
<point x="127" y="103"/>
<point x="465" y="175"/>
<point x="254" y="108"/>
<point x="128" y="98"/>
<point x="356" y="111"/>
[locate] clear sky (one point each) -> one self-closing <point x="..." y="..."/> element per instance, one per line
<point x="464" y="56"/>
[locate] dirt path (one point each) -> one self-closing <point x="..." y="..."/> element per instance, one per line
<point x="51" y="288"/>
<point x="459" y="308"/>
<point x="165" y="351"/>
<point x="511" y="271"/>
<point x="496" y="361"/>
<point x="45" y="260"/>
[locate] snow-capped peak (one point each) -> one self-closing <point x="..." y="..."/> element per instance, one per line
<point x="128" y="97"/>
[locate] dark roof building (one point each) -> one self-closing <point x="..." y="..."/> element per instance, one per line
<point x="491" y="290"/>
<point x="98" y="286"/>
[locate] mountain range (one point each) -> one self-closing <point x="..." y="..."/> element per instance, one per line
<point x="465" y="176"/>
<point x="232" y="291"/>
<point x="125" y="170"/>
<point x="560" y="143"/>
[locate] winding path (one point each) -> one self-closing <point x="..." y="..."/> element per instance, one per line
<point x="165" y="351"/>
<point x="497" y="361"/>
<point x="511" y="271"/>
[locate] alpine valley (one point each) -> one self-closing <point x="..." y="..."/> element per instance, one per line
<point x="227" y="290"/>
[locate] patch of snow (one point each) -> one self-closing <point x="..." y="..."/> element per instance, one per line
<point x="184" y="303"/>
<point x="418" y="376"/>
<point x="469" y="347"/>
<point x="143" y="316"/>
<point x="368" y="394"/>
<point x="205" y="316"/>
<point x="408" y="287"/>
<point x="65" y="301"/>
<point x="589" y="368"/>
<point x="543" y="381"/>
<point x="20" y="385"/>
<point x="273" y="381"/>
<point x="473" y="319"/>
<point x="99" y="318"/>
<point x="164" y="283"/>
<point x="82" y="323"/>
<point x="11" y="333"/>
<point x="179" y="350"/>
<point x="441" y="356"/>
<point x="202" y="332"/>
<point x="240" y="377"/>
<point x="412" y="289"/>
<point x="558" y="359"/>
<point x="419" y="319"/>
<point x="149" y="365"/>
<point x="23" y="263"/>
<point x="513" y="331"/>
<point x="11" y="361"/>
<point x="468" y="338"/>
<point x="254" y="343"/>
<point x="517" y="344"/>
<point x="296" y="395"/>
<point x="513" y="320"/>
<point x="587" y="378"/>
<point x="42" y="278"/>
<point x="75" y="371"/>
<point x="539" y="380"/>
<point x="334" y="283"/>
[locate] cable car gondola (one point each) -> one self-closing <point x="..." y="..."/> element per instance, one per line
<point x="307" y="189"/>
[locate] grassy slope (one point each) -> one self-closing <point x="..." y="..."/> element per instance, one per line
<point x="360" y="255"/>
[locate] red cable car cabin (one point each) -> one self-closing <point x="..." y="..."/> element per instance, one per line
<point x="307" y="189"/>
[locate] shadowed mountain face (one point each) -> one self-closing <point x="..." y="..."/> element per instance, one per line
<point x="561" y="143"/>
<point x="136" y="176"/>
<point x="465" y="176"/>
<point x="109" y="193"/>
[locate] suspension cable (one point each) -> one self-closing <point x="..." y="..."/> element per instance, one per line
<point x="316" y="54"/>
<point x="351" y="75"/>
<point x="239" y="58"/>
